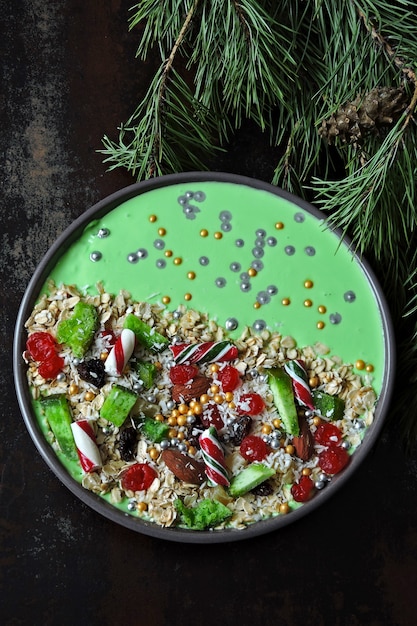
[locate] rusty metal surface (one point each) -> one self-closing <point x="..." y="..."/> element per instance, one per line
<point x="69" y="75"/>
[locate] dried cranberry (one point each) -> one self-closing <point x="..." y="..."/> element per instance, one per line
<point x="127" y="443"/>
<point x="239" y="429"/>
<point x="211" y="416"/>
<point x="328" y="434"/>
<point x="229" y="378"/>
<point x="303" y="490"/>
<point x="333" y="460"/>
<point x="138" y="477"/>
<point x="41" y="346"/>
<point x="253" y="448"/>
<point x="52" y="367"/>
<point x="181" y="374"/>
<point x="93" y="372"/>
<point x="250" y="404"/>
<point x="264" y="489"/>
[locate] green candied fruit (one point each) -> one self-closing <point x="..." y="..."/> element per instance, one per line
<point x="153" y="430"/>
<point x="58" y="415"/>
<point x="330" y="407"/>
<point x="147" y="372"/>
<point x="118" y="404"/>
<point x="249" y="478"/>
<point x="78" y="330"/>
<point x="206" y="514"/>
<point x="146" y="335"/>
<point x="281" y="386"/>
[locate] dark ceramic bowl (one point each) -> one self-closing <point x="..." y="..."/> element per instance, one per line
<point x="239" y="208"/>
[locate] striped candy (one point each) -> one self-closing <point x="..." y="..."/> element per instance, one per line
<point x="85" y="442"/>
<point x="299" y="378"/>
<point x="206" y="352"/>
<point x="120" y="353"/>
<point x="213" y="457"/>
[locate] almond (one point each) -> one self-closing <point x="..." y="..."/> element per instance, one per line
<point x="191" y="390"/>
<point x="184" y="467"/>
<point x="304" y="443"/>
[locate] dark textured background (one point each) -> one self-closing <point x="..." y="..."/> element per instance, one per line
<point x="69" y="75"/>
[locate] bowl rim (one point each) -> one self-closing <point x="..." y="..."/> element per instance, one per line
<point x="97" y="503"/>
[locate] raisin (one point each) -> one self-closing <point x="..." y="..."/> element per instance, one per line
<point x="92" y="371"/>
<point x="239" y="429"/>
<point x="127" y="443"/>
<point x="264" y="489"/>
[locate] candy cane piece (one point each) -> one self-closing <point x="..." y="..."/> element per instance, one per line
<point x="120" y="353"/>
<point x="206" y="352"/>
<point x="299" y="378"/>
<point x="85" y="441"/>
<point x="213" y="457"/>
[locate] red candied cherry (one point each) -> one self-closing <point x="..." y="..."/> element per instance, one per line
<point x="253" y="448"/>
<point x="303" y="490"/>
<point x="41" y="346"/>
<point x="250" y="404"/>
<point x="181" y="374"/>
<point x="328" y="434"/>
<point x="229" y="378"/>
<point x="333" y="460"/>
<point x="211" y="416"/>
<point x="138" y="477"/>
<point x="51" y="367"/>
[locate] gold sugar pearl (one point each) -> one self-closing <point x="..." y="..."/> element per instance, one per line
<point x="322" y="309"/>
<point x="289" y="449"/>
<point x="218" y="398"/>
<point x="159" y="417"/>
<point x="168" y="253"/>
<point x="204" y="398"/>
<point x="306" y="471"/>
<point x="214" y="368"/>
<point x="103" y="355"/>
<point x="285" y="301"/>
<point x="197" y="409"/>
<point x="314" y="381"/>
<point x="172" y="420"/>
<point x="252" y="272"/>
<point x="187" y="296"/>
<point x="181" y="436"/>
<point x="257" y="305"/>
<point x="162" y="232"/>
<point x="232" y="405"/>
<point x="183" y="408"/>
<point x="182" y="420"/>
<point x="191" y="275"/>
<point x="308" y="284"/>
<point x="279" y="225"/>
<point x="284" y="508"/>
<point x="266" y="429"/>
<point x="89" y="396"/>
<point x="277" y="422"/>
<point x="203" y="232"/>
<point x="369" y="368"/>
<point x="316" y="420"/>
<point x="308" y="303"/>
<point x="192" y="450"/>
<point x="153" y="453"/>
<point x="166" y="300"/>
<point x="177" y="260"/>
<point x="152" y="218"/>
<point x="142" y="507"/>
<point x="214" y="389"/>
<point x="228" y="396"/>
<point x="73" y="389"/>
<point x="360" y="365"/>
<point x="320" y="325"/>
<point x="218" y="235"/>
<point x="172" y="433"/>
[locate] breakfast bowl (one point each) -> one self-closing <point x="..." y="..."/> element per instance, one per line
<point x="201" y="358"/>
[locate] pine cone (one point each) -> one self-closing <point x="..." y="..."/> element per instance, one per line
<point x="370" y="113"/>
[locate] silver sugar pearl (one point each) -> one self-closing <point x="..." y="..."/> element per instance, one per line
<point x="319" y="484"/>
<point x="138" y="385"/>
<point x="323" y="477"/>
<point x="275" y="444"/>
<point x="299" y="217"/>
<point x="266" y="439"/>
<point x="142" y="253"/>
<point x="259" y="325"/>
<point x="290" y="250"/>
<point x="131" y="505"/>
<point x="95" y="256"/>
<point x="160" y="264"/>
<point x="174" y="441"/>
<point x="345" y="445"/>
<point x="271" y="241"/>
<point x="182" y="447"/>
<point x="239" y="243"/>
<point x="76" y="361"/>
<point x="231" y="323"/>
<point x="310" y="251"/>
<point x="258" y="252"/>
<point x="220" y="282"/>
<point x="170" y="405"/>
<point x="359" y="425"/>
<point x="199" y="196"/>
<point x="164" y="444"/>
<point x="190" y="419"/>
<point x="308" y="413"/>
<point x="177" y="315"/>
<point x="235" y="267"/>
<point x="226" y="227"/>
<point x="204" y="260"/>
<point x="61" y="377"/>
<point x="253" y="373"/>
<point x="103" y="233"/>
<point x="260" y="232"/>
<point x="132" y="257"/>
<point x="176" y="339"/>
<point x="151" y="398"/>
<point x="245" y="287"/>
<point x="272" y="290"/>
<point x="159" y="244"/>
<point x="225" y="216"/>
